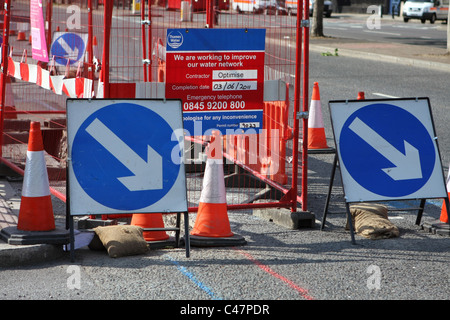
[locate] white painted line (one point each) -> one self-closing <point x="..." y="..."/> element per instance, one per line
<point x="385" y="95"/>
<point x="382" y="32"/>
<point x="396" y="218"/>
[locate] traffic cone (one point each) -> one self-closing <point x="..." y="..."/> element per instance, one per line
<point x="95" y="47"/>
<point x="150" y="220"/>
<point x="36" y="210"/>
<point x="361" y="96"/>
<point x="316" y="131"/>
<point x="22" y="27"/>
<point x="212" y="227"/>
<point x="21" y="36"/>
<point x="444" y="213"/>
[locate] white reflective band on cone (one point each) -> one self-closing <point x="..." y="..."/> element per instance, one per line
<point x="315" y="119"/>
<point x="213" y="190"/>
<point x="35" y="182"/>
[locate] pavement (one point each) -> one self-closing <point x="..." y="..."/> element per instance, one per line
<point x="413" y="55"/>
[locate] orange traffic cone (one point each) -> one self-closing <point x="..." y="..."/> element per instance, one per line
<point x="150" y="220"/>
<point x="316" y="131"/>
<point x="212" y="227"/>
<point x="361" y="96"/>
<point x="95" y="47"/>
<point x="22" y="27"/>
<point x="21" y="36"/>
<point x="444" y="212"/>
<point x="36" y="210"/>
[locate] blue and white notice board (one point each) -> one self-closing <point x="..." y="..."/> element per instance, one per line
<point x="125" y="156"/>
<point x="68" y="47"/>
<point x="387" y="149"/>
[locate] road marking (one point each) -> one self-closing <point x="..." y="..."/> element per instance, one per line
<point x="383" y="32"/>
<point x="303" y="292"/>
<point x="385" y="95"/>
<point x="192" y="277"/>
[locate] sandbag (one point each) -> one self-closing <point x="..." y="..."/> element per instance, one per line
<point x="122" y="240"/>
<point x="371" y="221"/>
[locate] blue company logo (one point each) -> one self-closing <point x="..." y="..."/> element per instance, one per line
<point x="69" y="46"/>
<point x="174" y="39"/>
<point x="121" y="156"/>
<point x="387" y="150"/>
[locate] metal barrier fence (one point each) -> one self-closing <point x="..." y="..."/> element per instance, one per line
<point x="124" y="57"/>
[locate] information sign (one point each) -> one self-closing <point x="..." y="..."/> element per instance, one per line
<point x="219" y="76"/>
<point x="68" y="47"/>
<point x="387" y="149"/>
<point x="125" y="156"/>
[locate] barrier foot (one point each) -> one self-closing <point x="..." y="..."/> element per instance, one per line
<point x="285" y="218"/>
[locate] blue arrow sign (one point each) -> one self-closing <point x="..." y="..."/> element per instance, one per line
<point x="121" y="156"/>
<point x="68" y="47"/>
<point x="387" y="150"/>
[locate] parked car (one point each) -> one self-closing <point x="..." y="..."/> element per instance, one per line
<point x="291" y="7"/>
<point x="424" y="10"/>
<point x="255" y="6"/>
<point x="276" y="7"/>
<point x="327" y="8"/>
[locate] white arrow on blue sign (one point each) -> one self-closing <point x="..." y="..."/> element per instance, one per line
<point x="125" y="156"/>
<point x="68" y="47"/>
<point x="387" y="149"/>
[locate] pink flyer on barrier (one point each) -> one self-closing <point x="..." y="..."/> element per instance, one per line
<point x="38" y="43"/>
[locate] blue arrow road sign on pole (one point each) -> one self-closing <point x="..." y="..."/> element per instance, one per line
<point x="68" y="46"/>
<point x="122" y="156"/>
<point x="387" y="149"/>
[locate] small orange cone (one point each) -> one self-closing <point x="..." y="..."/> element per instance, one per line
<point x="361" y="96"/>
<point x="36" y="210"/>
<point x="212" y="227"/>
<point x="444" y="213"/>
<point x="150" y="220"/>
<point x="21" y="36"/>
<point x="95" y="47"/>
<point x="316" y="130"/>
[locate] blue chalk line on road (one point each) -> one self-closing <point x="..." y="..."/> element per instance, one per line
<point x="192" y="277"/>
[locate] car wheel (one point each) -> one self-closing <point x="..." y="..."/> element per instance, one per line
<point x="433" y="19"/>
<point x="405" y="19"/>
<point x="423" y="20"/>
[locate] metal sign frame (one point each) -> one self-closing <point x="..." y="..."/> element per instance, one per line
<point x="93" y="136"/>
<point x="427" y="184"/>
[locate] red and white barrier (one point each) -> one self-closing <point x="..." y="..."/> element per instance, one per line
<point x="72" y="87"/>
